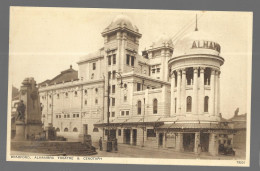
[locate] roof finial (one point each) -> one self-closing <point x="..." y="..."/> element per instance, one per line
<point x="70" y="66"/>
<point x="196" y="28"/>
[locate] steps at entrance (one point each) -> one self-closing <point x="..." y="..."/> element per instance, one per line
<point x="53" y="147"/>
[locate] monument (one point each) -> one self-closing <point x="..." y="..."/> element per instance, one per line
<point x="28" y="121"/>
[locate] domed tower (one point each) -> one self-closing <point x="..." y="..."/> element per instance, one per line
<point x="195" y="70"/>
<point x="159" y="54"/>
<point x="121" y="42"/>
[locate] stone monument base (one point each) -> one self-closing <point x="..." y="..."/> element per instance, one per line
<point x="20" y="131"/>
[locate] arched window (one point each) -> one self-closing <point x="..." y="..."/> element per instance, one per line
<point x="155" y="106"/>
<point x="75" y="93"/>
<point x="206" y="104"/>
<point x="175" y="105"/>
<point x="189" y="104"/>
<point x="57" y="129"/>
<point x="66" y="94"/>
<point x="139" y="109"/>
<point x="66" y="129"/>
<point x="86" y="92"/>
<point x="86" y="102"/>
<point x="75" y="129"/>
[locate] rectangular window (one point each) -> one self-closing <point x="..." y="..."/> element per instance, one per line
<point x="109" y="60"/>
<point x="153" y="71"/>
<point x="113" y="88"/>
<point x="113" y="114"/>
<point x="65" y="116"/>
<point x="94" y="66"/>
<point x="127" y="113"/>
<point x="114" y="59"/>
<point x="127" y="59"/>
<point x="113" y="101"/>
<point x="138" y="86"/>
<point x="109" y="75"/>
<point x="114" y="75"/>
<point x="132" y="60"/>
<point x="74" y="115"/>
<point x="158" y="69"/>
<point x="68" y="116"/>
<point x="122" y="113"/>
<point x="151" y="133"/>
<point x="125" y="98"/>
<point x="77" y="115"/>
<point x="57" y="116"/>
<point x="119" y="132"/>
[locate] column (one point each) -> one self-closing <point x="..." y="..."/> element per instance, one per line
<point x="197" y="141"/>
<point x="178" y="92"/>
<point x="216" y="92"/>
<point x="202" y="90"/>
<point x="179" y="142"/>
<point x="212" y="92"/>
<point x="131" y="136"/>
<point x="183" y="92"/>
<point x="195" y="91"/>
<point x="172" y="94"/>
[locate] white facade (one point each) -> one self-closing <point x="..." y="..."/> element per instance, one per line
<point x="165" y="85"/>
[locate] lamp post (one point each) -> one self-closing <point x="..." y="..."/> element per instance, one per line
<point x="109" y="141"/>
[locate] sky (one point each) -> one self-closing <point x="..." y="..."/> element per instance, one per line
<point x="45" y="41"/>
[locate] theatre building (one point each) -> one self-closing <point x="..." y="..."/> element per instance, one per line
<point x="167" y="97"/>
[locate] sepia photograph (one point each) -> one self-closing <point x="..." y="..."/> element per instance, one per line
<point x="129" y="86"/>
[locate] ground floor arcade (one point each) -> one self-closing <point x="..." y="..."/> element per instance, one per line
<point x="178" y="137"/>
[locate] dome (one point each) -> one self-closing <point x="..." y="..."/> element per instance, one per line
<point x="162" y="41"/>
<point x="122" y="21"/>
<point x="196" y="42"/>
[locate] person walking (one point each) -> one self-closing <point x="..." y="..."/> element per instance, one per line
<point x="100" y="144"/>
<point x="115" y="145"/>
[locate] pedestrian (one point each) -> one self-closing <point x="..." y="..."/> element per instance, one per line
<point x="100" y="144"/>
<point x="115" y="145"/>
<point x="199" y="151"/>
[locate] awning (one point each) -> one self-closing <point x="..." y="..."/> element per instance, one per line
<point x="195" y="126"/>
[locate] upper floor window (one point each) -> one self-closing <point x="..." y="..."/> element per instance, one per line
<point x="75" y="129"/>
<point x="122" y="113"/>
<point x="127" y="59"/>
<point x="113" y="88"/>
<point x="66" y="129"/>
<point x="206" y="104"/>
<point x="94" y="66"/>
<point x="189" y="104"/>
<point x="66" y="94"/>
<point x="86" y="102"/>
<point x="139" y="107"/>
<point x="155" y="106"/>
<point x="86" y="92"/>
<point x="109" y="75"/>
<point x="114" y="75"/>
<point x="109" y="60"/>
<point x="96" y="101"/>
<point x="125" y="98"/>
<point x="96" y="89"/>
<point x="114" y="59"/>
<point x="113" y="114"/>
<point x="138" y="86"/>
<point x="113" y="101"/>
<point x="76" y="93"/>
<point x="58" y="96"/>
<point x="132" y="61"/>
<point x="175" y="105"/>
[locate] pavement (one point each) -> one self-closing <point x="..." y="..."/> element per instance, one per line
<point x="130" y="151"/>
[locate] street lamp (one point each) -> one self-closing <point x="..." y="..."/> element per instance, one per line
<point x="109" y="141"/>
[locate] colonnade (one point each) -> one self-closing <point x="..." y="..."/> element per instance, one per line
<point x="199" y="92"/>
